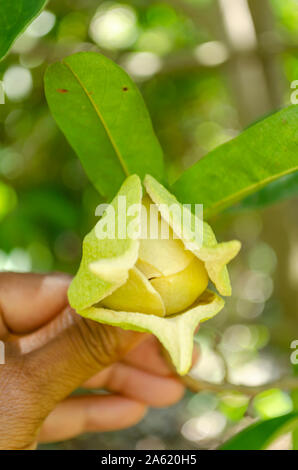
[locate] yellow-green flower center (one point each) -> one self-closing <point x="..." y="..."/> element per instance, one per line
<point x="167" y="278"/>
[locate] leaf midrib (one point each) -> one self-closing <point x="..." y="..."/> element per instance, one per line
<point x="121" y="161"/>
<point x="240" y="194"/>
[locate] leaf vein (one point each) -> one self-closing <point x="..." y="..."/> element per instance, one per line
<point x="118" y="153"/>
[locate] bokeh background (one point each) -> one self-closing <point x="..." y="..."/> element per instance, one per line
<point x="207" y="69"/>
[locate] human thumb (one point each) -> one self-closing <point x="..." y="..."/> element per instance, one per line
<point x="46" y="366"/>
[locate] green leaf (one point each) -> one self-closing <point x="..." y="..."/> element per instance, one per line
<point x="102" y="113"/>
<point x="259" y="435"/>
<point x="15" y="16"/>
<point x="277" y="191"/>
<point x="263" y="153"/>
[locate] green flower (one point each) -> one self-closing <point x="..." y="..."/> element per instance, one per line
<point x="153" y="285"/>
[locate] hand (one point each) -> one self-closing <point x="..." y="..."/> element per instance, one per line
<point x="50" y="351"/>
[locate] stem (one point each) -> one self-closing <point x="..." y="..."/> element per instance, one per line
<point x="286" y="383"/>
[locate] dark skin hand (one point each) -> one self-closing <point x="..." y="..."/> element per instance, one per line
<point x="50" y="351"/>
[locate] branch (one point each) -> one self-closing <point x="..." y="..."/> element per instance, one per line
<point x="286" y="383"/>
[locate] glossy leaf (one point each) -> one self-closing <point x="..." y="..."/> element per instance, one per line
<point x="102" y="113"/>
<point x="259" y="435"/>
<point x="15" y="16"/>
<point x="277" y="191"/>
<point x="263" y="153"/>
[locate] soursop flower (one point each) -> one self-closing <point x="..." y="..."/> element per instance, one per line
<point x="152" y="284"/>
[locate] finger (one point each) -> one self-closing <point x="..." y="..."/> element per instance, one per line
<point x="90" y="413"/>
<point x="148" y="356"/>
<point x="63" y="355"/>
<point x="29" y="300"/>
<point x="139" y="385"/>
<point x="69" y="350"/>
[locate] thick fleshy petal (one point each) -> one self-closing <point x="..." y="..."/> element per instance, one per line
<point x="106" y="264"/>
<point x="106" y="261"/>
<point x="136" y="295"/>
<point x="175" y="332"/>
<point x="161" y="253"/>
<point x="215" y="255"/>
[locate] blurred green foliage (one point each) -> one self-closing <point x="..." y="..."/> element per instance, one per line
<point x="201" y="89"/>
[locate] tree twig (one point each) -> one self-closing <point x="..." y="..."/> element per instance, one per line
<point x="286" y="383"/>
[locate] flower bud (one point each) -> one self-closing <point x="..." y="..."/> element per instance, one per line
<point x="177" y="278"/>
<point x="153" y="283"/>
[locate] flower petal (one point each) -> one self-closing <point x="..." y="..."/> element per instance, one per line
<point x="161" y="252"/>
<point x="175" y="332"/>
<point x="136" y="295"/>
<point x="215" y="255"/>
<point x="106" y="261"/>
